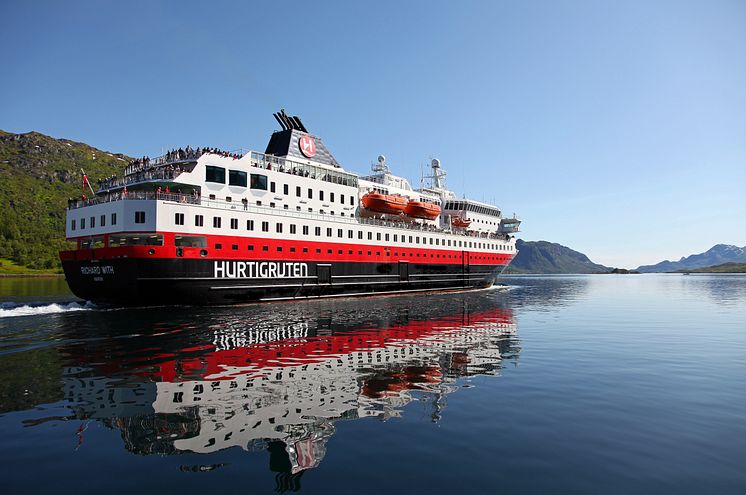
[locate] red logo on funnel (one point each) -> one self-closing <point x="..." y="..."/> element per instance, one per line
<point x="307" y="146"/>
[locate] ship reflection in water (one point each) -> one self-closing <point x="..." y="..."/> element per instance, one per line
<point x="282" y="388"/>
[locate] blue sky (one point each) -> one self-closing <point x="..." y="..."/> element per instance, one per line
<point x="615" y="128"/>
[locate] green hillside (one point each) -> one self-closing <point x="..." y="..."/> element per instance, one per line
<point x="37" y="176"/>
<point x="723" y="268"/>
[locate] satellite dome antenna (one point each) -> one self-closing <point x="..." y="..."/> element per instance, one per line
<point x="381" y="165"/>
<point x="439" y="174"/>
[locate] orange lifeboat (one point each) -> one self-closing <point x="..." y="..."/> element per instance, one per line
<point x="460" y="222"/>
<point x="420" y="209"/>
<point x="384" y="203"/>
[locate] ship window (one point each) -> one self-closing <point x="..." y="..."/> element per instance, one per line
<point x="292" y="228"/>
<point x="103" y="221"/>
<point x="265" y="248"/>
<point x="113" y="218"/>
<point x="285" y="189"/>
<point x="321" y="195"/>
<point x="139" y="217"/>
<point x="410" y="239"/>
<point x="92" y="243"/>
<point x="234" y="223"/>
<point x="279" y="249"/>
<point x="93" y="222"/>
<point x="285" y="207"/>
<point x="342" y="198"/>
<point x="317" y="231"/>
<point x="396" y="237"/>
<point x="271" y="187"/>
<point x="215" y="174"/>
<point x="340" y="233"/>
<point x="305" y="230"/>
<point x="278" y="228"/>
<point x="216" y="222"/>
<point x="72" y="225"/>
<point x="431" y="241"/>
<point x="369" y="253"/>
<point x="310" y="193"/>
<point x="378" y="236"/>
<point x="234" y="247"/>
<point x="318" y="251"/>
<point x="271" y="205"/>
<point x="352" y="200"/>
<point x="370" y="236"/>
<point x="249" y="224"/>
<point x="265" y="226"/>
<point x="305" y="250"/>
<point x="259" y="203"/>
<point x="198" y="220"/>
<point x="250" y="247"/>
<point x="387" y="237"/>
<point x="218" y="246"/>
<point x="297" y="191"/>
<point x="116" y="240"/>
<point x="190" y="241"/>
<point x="359" y="234"/>
<point x="259" y="182"/>
<point x="228" y="199"/>
<point x="329" y="232"/>
<point x="179" y="219"/>
<point x="350" y="234"/>
<point x="292" y="249"/>
<point x="328" y="251"/>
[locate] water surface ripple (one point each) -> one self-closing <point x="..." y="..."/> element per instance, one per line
<point x="573" y="384"/>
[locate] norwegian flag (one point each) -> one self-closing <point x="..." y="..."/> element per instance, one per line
<point x="86" y="182"/>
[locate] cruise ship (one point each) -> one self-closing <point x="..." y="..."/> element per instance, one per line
<point x="208" y="227"/>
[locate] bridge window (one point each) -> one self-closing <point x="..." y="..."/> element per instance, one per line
<point x="215" y="174"/>
<point x="103" y="221"/>
<point x="234" y="223"/>
<point x="199" y="220"/>
<point x="179" y="219"/>
<point x="317" y="231"/>
<point x="329" y="232"/>
<point x="259" y="182"/>
<point x="249" y="224"/>
<point x="72" y="225"/>
<point x="216" y="222"/>
<point x="278" y="228"/>
<point x="113" y="218"/>
<point x="237" y="178"/>
<point x="292" y="228"/>
<point x="305" y="230"/>
<point x="93" y="222"/>
<point x="265" y="226"/>
<point x="139" y="217"/>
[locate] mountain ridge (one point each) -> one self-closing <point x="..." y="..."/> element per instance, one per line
<point x="716" y="255"/>
<point x="552" y="258"/>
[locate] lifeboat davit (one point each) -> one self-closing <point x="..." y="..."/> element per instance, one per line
<point x="384" y="203"/>
<point x="460" y="222"/>
<point x="420" y="209"/>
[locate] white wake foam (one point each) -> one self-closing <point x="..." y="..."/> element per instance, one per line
<point x="10" y="309"/>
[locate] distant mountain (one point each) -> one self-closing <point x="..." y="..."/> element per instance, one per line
<point x="549" y="257"/>
<point x="724" y="268"/>
<point x="716" y="255"/>
<point x="38" y="174"/>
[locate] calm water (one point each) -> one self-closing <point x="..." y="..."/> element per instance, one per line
<point x="597" y="384"/>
